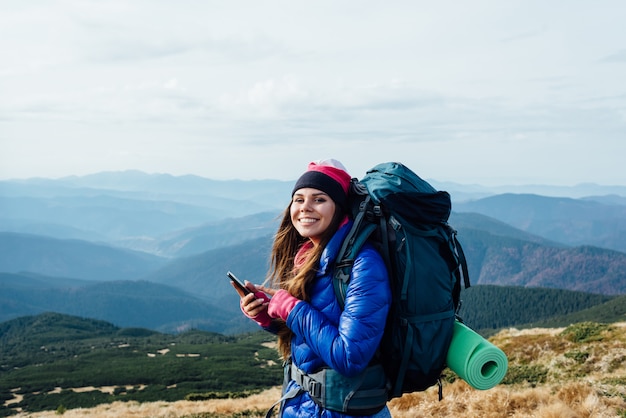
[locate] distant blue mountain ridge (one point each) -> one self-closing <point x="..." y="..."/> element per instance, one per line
<point x="104" y="242"/>
<point x="192" y="185"/>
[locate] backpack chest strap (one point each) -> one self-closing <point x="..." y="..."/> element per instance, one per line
<point x="312" y="383"/>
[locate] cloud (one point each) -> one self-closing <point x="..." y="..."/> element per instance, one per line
<point x="269" y="98"/>
<point x="616" y="58"/>
<point x="155" y="85"/>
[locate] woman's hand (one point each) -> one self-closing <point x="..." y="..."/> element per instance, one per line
<point x="260" y="308"/>
<point x="255" y="302"/>
<point x="254" y="305"/>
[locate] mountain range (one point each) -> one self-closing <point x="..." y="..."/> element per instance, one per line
<point x="148" y="250"/>
<point x="570" y="221"/>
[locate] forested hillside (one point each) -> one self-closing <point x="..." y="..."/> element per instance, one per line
<point x="41" y="353"/>
<point x="504" y="260"/>
<point x="57" y="363"/>
<point x="490" y="308"/>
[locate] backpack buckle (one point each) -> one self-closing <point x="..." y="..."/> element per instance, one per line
<point x="341" y="274"/>
<point x="315" y="389"/>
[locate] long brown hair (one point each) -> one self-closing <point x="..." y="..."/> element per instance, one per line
<point x="284" y="274"/>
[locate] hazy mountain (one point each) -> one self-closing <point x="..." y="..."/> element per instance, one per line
<point x="258" y="195"/>
<point x="72" y="258"/>
<point x="142" y="211"/>
<point x="463" y="192"/>
<point x="130" y="205"/>
<point x="133" y="180"/>
<point x="205" y="274"/>
<point x="566" y="220"/>
<point x="124" y="303"/>
<point x="611" y="199"/>
<point x="476" y="221"/>
<point x="265" y="191"/>
<point x="53" y="230"/>
<point x="107" y="216"/>
<point x="208" y="236"/>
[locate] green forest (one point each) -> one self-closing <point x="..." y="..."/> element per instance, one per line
<point x="44" y="357"/>
<point x="42" y="353"/>
<point x="488" y="308"/>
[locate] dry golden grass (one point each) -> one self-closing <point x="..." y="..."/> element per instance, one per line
<point x="575" y="400"/>
<point x="582" y="380"/>
<point x="223" y="407"/>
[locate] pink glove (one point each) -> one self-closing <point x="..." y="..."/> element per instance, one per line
<point x="262" y="318"/>
<point x="281" y="304"/>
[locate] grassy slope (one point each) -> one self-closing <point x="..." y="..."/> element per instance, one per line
<point x="579" y="371"/>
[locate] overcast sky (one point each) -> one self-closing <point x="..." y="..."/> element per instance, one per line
<point x="488" y="92"/>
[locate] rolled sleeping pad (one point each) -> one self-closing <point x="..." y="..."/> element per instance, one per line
<point x="474" y="359"/>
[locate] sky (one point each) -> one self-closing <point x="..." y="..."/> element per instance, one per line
<point x="473" y="92"/>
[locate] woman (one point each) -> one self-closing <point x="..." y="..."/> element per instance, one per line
<point x="327" y="349"/>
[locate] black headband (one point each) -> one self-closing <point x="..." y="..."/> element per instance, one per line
<point x="320" y="181"/>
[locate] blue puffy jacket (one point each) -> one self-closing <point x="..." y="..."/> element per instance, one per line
<point x="326" y="336"/>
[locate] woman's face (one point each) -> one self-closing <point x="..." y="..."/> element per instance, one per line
<point x="312" y="212"/>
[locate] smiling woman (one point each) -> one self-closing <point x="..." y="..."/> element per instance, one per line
<point x="323" y="345"/>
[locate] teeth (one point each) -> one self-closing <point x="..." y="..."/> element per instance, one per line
<point x="307" y="220"/>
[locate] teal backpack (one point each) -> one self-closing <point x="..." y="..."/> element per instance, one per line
<point x="407" y="220"/>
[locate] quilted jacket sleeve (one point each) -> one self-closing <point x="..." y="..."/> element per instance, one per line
<point x="349" y="345"/>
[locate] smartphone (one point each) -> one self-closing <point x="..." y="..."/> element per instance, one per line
<point x="242" y="289"/>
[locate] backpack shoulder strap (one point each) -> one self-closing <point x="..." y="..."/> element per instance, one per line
<point x="457" y="250"/>
<point x="353" y="242"/>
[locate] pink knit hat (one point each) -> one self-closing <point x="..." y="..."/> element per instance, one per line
<point x="329" y="176"/>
